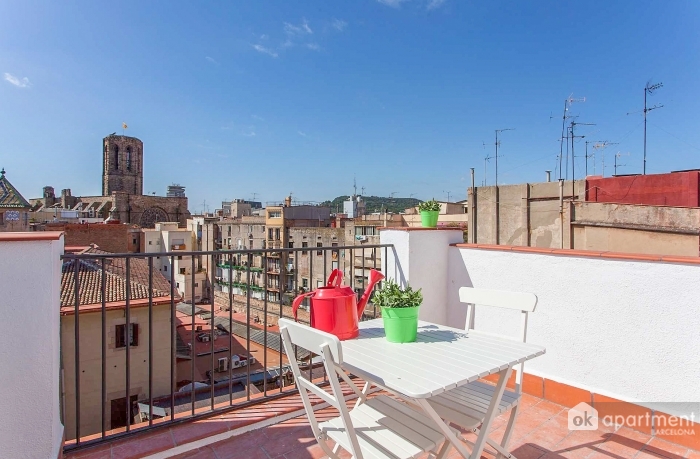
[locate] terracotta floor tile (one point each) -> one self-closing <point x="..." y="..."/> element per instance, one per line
<point x="287" y="443"/>
<point x="104" y="452"/>
<point x="310" y="452"/>
<point x="239" y="444"/>
<point x="582" y="441"/>
<point x="143" y="445"/>
<point x="528" y="451"/>
<point x="625" y="442"/>
<point x="192" y="431"/>
<point x="199" y="453"/>
<point x="549" y="434"/>
<point x="665" y="449"/>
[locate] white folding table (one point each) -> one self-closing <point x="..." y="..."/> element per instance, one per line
<point x="441" y="359"/>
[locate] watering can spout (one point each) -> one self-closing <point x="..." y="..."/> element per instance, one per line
<point x="374" y="277"/>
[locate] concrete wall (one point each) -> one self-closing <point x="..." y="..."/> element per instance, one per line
<point x="91" y="364"/>
<point x="29" y="325"/>
<point x="618" y="327"/>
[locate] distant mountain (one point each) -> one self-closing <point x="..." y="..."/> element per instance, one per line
<point x="375" y="204"/>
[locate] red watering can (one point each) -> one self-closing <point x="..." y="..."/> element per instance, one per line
<point x="334" y="309"/>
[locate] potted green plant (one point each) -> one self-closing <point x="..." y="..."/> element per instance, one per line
<point x="399" y="308"/>
<point x="429" y="211"/>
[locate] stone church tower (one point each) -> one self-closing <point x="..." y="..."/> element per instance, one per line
<point x="122" y="168"/>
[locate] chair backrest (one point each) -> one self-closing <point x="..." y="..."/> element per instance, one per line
<point x="519" y="301"/>
<point x="329" y="348"/>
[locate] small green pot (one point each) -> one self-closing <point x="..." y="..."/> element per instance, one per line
<point x="400" y="324"/>
<point x="429" y="218"/>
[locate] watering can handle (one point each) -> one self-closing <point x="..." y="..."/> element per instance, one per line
<point x="337" y="276"/>
<point x="297" y="303"/>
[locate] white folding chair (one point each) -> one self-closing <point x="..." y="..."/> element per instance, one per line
<point x="467" y="406"/>
<point x="376" y="428"/>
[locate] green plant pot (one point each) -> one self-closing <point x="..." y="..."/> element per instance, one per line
<point x="400" y="324"/>
<point x="429" y="218"/>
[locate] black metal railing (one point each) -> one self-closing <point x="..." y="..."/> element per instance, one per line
<point x="113" y="387"/>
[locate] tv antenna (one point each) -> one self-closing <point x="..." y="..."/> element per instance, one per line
<point x="598" y="145"/>
<point x="573" y="157"/>
<point x="567" y="104"/>
<point x="448" y="194"/>
<point x="254" y="195"/>
<point x="497" y="144"/>
<point x="648" y="89"/>
<point x="618" y="155"/>
<point x="486" y="160"/>
<point x="362" y="190"/>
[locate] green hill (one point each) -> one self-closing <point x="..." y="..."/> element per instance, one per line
<point x="375" y="204"/>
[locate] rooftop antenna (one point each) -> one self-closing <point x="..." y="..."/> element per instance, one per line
<point x="448" y="195"/>
<point x="354" y="186"/>
<point x="598" y="145"/>
<point x="254" y="195"/>
<point x="648" y="89"/>
<point x="617" y="155"/>
<point x="573" y="157"/>
<point x="567" y="103"/>
<point x="497" y="144"/>
<point x="486" y="160"/>
<point x="362" y="190"/>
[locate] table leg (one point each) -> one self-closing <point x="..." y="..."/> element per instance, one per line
<point x="449" y="434"/>
<point x="491" y="413"/>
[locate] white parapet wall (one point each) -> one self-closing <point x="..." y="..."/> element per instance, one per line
<point x="626" y="328"/>
<point x="420" y="258"/>
<point x="30" y="283"/>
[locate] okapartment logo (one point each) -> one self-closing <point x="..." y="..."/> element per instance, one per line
<point x="583" y="417"/>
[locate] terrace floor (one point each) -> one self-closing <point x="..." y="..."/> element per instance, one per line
<point x="275" y="430"/>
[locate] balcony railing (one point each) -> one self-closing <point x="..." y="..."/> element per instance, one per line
<point x="136" y="357"/>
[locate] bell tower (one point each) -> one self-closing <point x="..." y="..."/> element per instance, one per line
<point x="122" y="165"/>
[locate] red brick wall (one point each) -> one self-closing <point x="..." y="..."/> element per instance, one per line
<point x="680" y="189"/>
<point x="110" y="238"/>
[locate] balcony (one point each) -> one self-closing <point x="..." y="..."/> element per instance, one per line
<point x="178" y="247"/>
<point x="620" y="332"/>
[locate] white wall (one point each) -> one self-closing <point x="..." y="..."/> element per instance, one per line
<point x="30" y="276"/>
<point x="420" y="257"/>
<point x="622" y="328"/>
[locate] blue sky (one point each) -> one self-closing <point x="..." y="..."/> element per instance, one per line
<point x="236" y="98"/>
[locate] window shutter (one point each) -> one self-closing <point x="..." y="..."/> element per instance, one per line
<point x="134" y="334"/>
<point x="119" y="335"/>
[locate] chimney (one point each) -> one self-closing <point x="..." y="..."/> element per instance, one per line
<point x="549" y="175"/>
<point x="288" y="201"/>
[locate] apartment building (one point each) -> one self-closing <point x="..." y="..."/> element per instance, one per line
<point x="188" y="274"/>
<point x="117" y="408"/>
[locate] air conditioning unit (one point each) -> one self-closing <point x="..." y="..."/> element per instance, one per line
<point x="223" y="365"/>
<point x="204" y="337"/>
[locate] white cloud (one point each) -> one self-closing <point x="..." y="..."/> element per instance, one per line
<point x="211" y="59"/>
<point x="301" y="29"/>
<point x="313" y="46"/>
<point x="262" y="49"/>
<point x="392" y="3"/>
<point x="303" y="134"/>
<point x="263" y="37"/>
<point x="256" y="117"/>
<point x="339" y="24"/>
<point x="433" y="4"/>
<point x="20" y="83"/>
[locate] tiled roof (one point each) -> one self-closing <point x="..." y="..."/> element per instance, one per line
<point x="9" y="196"/>
<point x="90" y="280"/>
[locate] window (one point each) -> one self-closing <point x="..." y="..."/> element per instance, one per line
<point x="120" y="335"/>
<point x="179" y="257"/>
<point x="165" y="268"/>
<point x="305" y="283"/>
<point x="128" y="158"/>
<point x="304" y="244"/>
<point x="150" y="242"/>
<point x="177" y="285"/>
<point x="229" y="230"/>
<point x="196" y="284"/>
<point x="178" y="242"/>
<point x="291" y="244"/>
<point x="182" y="270"/>
<point x="270" y="233"/>
<point x="134" y="241"/>
<point x="116" y="157"/>
<point x="274" y="214"/>
<point x="277" y="234"/>
<point x="319" y="252"/>
<point x="2" y="218"/>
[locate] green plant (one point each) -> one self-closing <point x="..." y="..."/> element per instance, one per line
<point x="429" y="206"/>
<point x="393" y="296"/>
